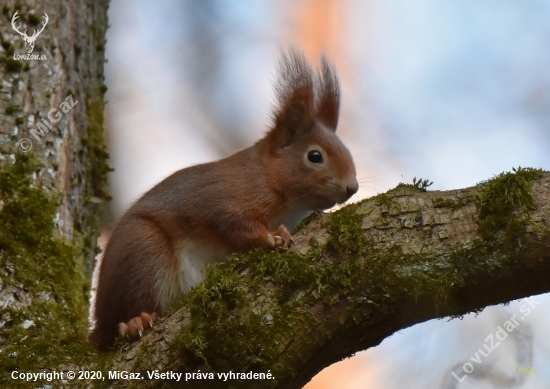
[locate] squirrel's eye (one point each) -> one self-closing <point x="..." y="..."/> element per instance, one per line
<point x="315" y="156"/>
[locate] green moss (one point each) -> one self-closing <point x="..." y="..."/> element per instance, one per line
<point x="305" y="221"/>
<point x="409" y="189"/>
<point x="11" y="109"/>
<point x="8" y="47"/>
<point x="51" y="270"/>
<point x="387" y="202"/>
<point x="94" y="143"/>
<point x="33" y="19"/>
<point x="12" y="65"/>
<point x="344" y="227"/>
<point x="504" y="203"/>
<point x="384" y="199"/>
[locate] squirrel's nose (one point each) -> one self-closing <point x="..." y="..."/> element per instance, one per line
<point x="352" y="188"/>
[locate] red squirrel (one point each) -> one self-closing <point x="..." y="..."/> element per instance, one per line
<point x="203" y="213"/>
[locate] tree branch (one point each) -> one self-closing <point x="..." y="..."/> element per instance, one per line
<point x="355" y="277"/>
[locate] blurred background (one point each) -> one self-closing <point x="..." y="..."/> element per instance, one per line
<point x="455" y="91"/>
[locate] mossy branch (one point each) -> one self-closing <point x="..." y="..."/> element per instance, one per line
<point x="355" y="277"/>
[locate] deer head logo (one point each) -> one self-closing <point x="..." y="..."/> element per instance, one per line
<point x="29" y="40"/>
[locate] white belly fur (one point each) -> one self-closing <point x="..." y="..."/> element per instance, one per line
<point x="172" y="284"/>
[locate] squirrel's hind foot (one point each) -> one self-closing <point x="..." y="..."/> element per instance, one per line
<point x="136" y="326"/>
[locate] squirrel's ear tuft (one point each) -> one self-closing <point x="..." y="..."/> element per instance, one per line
<point x="295" y="98"/>
<point x="328" y="95"/>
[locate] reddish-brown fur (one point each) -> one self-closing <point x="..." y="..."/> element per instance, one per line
<point x="202" y="213"/>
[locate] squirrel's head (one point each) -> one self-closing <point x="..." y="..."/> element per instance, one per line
<point x="308" y="161"/>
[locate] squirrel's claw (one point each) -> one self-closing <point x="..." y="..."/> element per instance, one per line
<point x="136" y="327"/>
<point x="149" y="320"/>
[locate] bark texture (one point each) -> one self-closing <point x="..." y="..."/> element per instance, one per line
<point x="52" y="184"/>
<point x="355" y="277"/>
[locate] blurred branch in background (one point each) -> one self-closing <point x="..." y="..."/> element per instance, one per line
<point x="522" y="337"/>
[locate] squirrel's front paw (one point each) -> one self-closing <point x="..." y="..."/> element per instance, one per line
<point x="282" y="238"/>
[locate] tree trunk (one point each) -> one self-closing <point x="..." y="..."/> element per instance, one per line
<point x="52" y="181"/>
